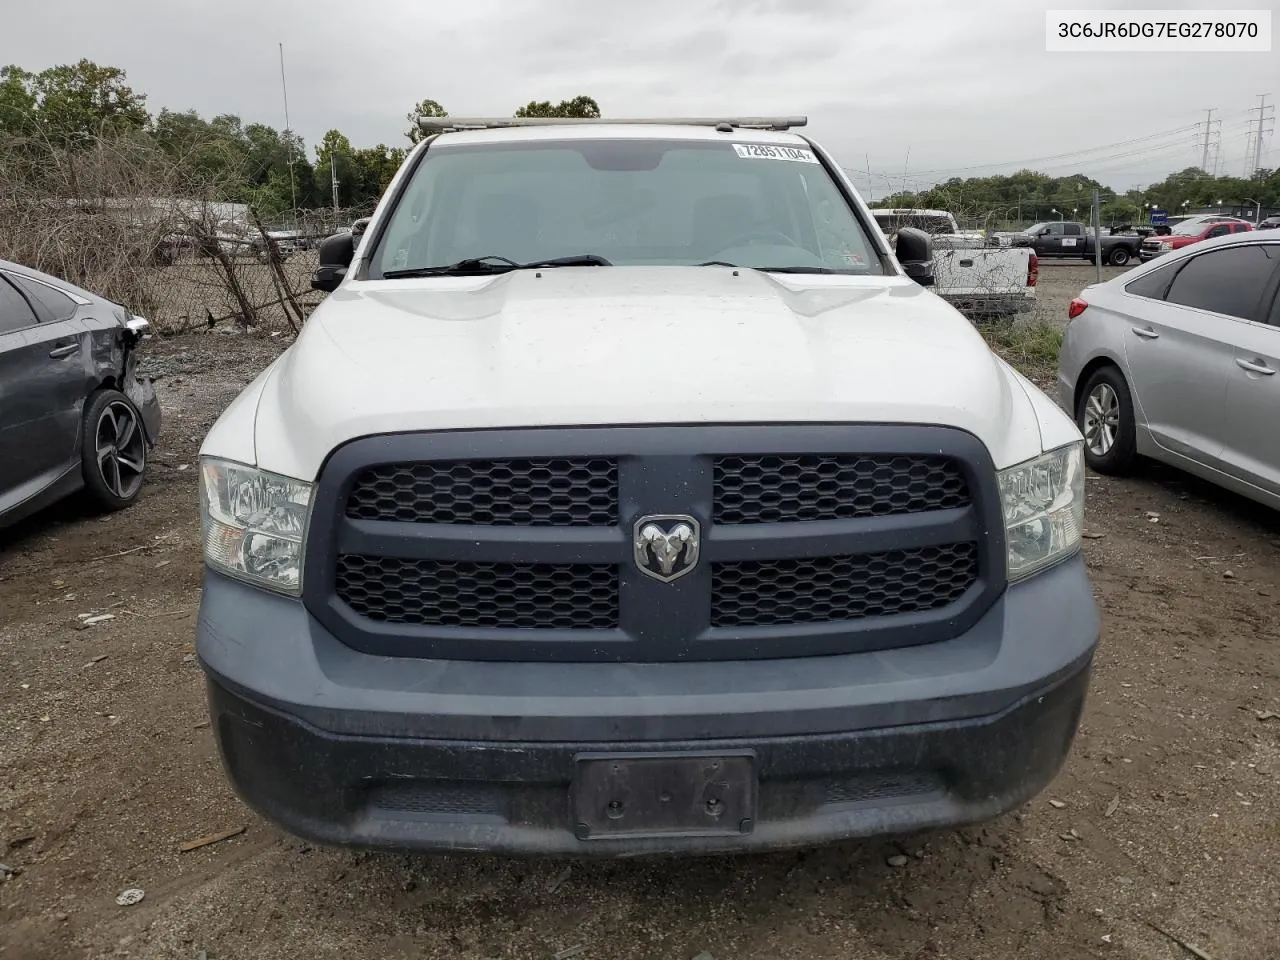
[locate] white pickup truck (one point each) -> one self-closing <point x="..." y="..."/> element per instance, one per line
<point x="629" y="494"/>
<point x="978" y="277"/>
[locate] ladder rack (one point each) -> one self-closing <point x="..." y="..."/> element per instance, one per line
<point x="442" y="124"/>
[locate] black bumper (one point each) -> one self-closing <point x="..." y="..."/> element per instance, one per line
<point x="347" y="748"/>
<point x="516" y="798"/>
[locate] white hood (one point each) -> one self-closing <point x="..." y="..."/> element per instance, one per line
<point x="627" y="345"/>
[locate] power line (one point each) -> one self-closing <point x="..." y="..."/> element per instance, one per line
<point x="1070" y="153"/>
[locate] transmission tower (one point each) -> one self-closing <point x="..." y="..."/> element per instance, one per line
<point x="1258" y="129"/>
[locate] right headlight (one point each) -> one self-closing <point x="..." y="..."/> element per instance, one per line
<point x="1043" y="503"/>
<point x="254" y="523"/>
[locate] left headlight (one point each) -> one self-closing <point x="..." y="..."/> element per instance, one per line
<point x="254" y="523"/>
<point x="1043" y="501"/>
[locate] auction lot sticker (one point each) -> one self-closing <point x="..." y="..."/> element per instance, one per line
<point x="765" y="151"/>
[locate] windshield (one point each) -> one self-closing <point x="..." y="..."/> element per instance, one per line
<point x="628" y="202"/>
<point x="891" y="223"/>
<point x="1034" y="229"/>
<point x="1190" y="228"/>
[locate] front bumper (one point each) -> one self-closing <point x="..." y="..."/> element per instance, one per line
<point x="347" y="748"/>
<point x="142" y="392"/>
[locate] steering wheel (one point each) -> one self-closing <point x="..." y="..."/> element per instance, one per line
<point x="763" y="234"/>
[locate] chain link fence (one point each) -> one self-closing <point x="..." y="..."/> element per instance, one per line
<point x="157" y="234"/>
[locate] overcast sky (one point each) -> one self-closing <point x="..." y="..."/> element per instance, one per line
<point x="919" y="89"/>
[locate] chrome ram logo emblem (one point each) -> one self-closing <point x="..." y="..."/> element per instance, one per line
<point x="666" y="545"/>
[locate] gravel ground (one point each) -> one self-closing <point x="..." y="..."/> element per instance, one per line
<point x="1166" y="812"/>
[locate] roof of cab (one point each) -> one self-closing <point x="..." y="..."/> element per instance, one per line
<point x="618" y="131"/>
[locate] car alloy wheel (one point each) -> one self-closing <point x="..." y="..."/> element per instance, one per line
<point x="1101" y="419"/>
<point x="121" y="449"/>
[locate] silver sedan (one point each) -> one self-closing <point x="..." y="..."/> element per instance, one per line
<point x="1177" y="360"/>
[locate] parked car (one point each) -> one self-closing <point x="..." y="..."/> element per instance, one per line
<point x="1270" y="223"/>
<point x="972" y="271"/>
<point x="630" y="494"/>
<point x="288" y="242"/>
<point x="1192" y="230"/>
<point x="1070" y="238"/>
<point x="1177" y="361"/>
<point x="73" y="413"/>
<point x="237" y="239"/>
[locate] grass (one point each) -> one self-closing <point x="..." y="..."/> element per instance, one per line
<point x="1031" y="346"/>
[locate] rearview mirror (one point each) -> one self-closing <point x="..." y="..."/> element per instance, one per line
<point x="914" y="251"/>
<point x="335" y="257"/>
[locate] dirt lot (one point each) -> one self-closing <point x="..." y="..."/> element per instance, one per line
<point x="1167" y="812"/>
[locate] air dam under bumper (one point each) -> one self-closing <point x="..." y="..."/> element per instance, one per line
<point x="432" y="755"/>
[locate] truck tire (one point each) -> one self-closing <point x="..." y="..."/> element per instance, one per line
<point x="1104" y="414"/>
<point x="1119" y="256"/>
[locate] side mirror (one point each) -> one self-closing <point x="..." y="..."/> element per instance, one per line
<point x="1044" y="233"/>
<point x="335" y="257"/>
<point x="914" y="251"/>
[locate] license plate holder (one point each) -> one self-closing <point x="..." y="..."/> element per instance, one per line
<point x="663" y="795"/>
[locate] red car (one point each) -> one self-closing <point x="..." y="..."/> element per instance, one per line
<point x="1192" y="231"/>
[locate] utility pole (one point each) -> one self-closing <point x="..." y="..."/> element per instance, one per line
<point x="1204" y="153"/>
<point x="1097" y="236"/>
<point x="1259" y="133"/>
<point x="288" y="132"/>
<point x="333" y="178"/>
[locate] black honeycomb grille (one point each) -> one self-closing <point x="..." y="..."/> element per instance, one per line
<point x="571" y="492"/>
<point x="779" y="488"/>
<point x="823" y="589"/>
<point x="566" y="596"/>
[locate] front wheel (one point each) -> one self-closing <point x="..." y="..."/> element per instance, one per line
<point x="1104" y="414"/>
<point x="113" y="450"/>
<point x="1119" y="257"/>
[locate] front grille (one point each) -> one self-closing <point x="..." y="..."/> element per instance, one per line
<point x="534" y="596"/>
<point x="780" y="489"/>
<point x="569" y="492"/>
<point x="518" y="544"/>
<point x="758" y="593"/>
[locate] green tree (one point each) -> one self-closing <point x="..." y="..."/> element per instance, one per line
<point x="84" y="100"/>
<point x="17" y="100"/>
<point x="1120" y="210"/>
<point x="581" y="106"/>
<point x="424" y="108"/>
<point x="335" y="157"/>
<point x="375" y="166"/>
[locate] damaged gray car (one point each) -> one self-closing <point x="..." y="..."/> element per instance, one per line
<point x="73" y="413"/>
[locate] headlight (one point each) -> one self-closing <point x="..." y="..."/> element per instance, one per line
<point x="254" y="523"/>
<point x="1043" y="502"/>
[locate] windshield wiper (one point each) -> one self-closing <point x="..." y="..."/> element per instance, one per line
<point x="738" y="266"/>
<point x="576" y="260"/>
<point x="496" y="264"/>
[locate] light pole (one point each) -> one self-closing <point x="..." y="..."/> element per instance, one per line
<point x="1257" y="214"/>
<point x="1059" y="215"/>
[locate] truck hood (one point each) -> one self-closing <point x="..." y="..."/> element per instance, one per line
<point x="629" y="345"/>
